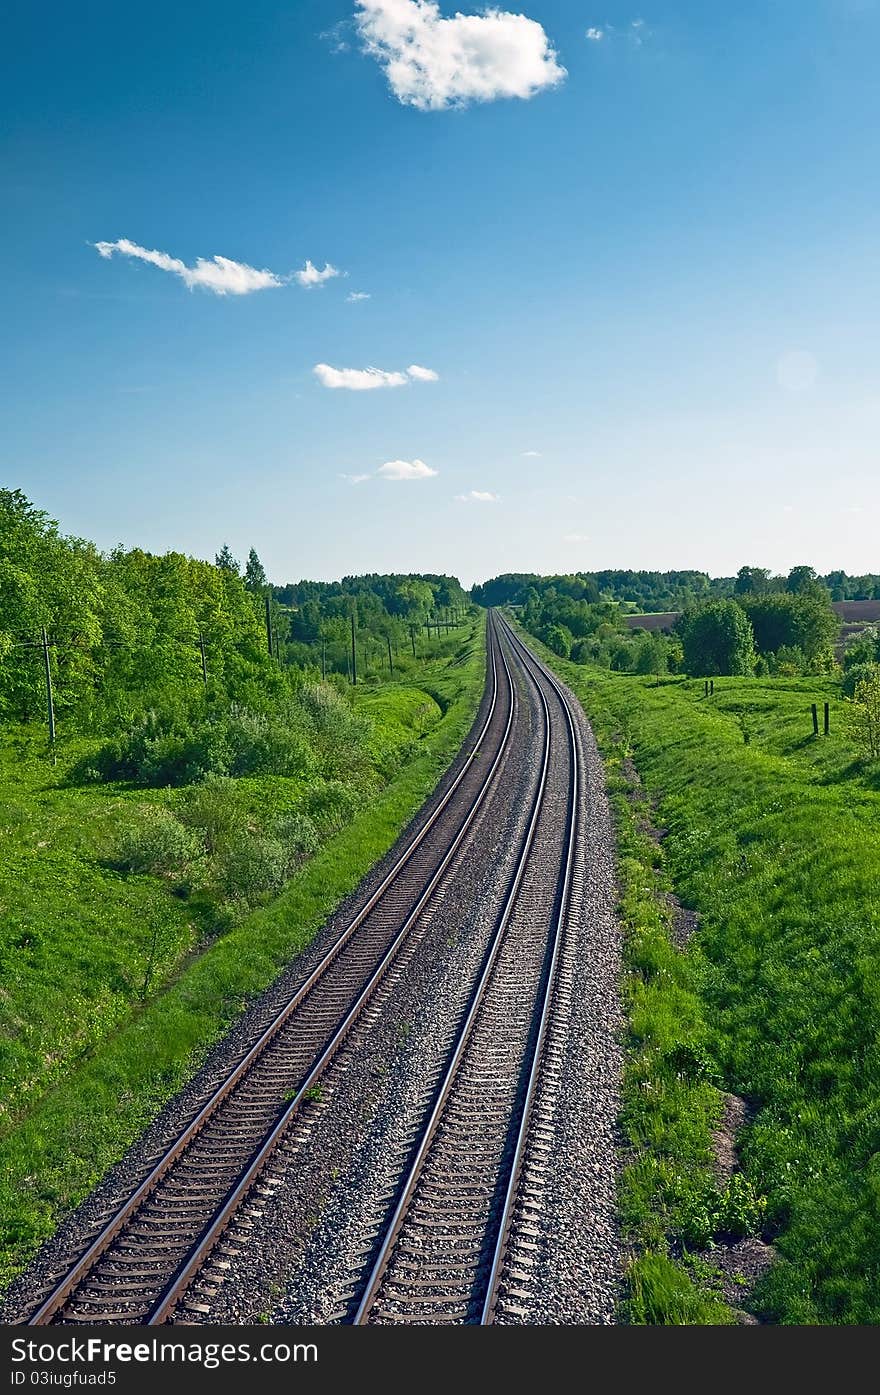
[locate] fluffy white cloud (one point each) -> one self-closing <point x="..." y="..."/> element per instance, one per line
<point x="433" y="63"/>
<point x="363" y="379"/>
<point x="219" y="274"/>
<point x="405" y="470"/>
<point x="310" y="276"/>
<point x="594" y="35"/>
<point x="354" y="479"/>
<point x="478" y="496"/>
<point x="357" y="379"/>
<point x="357" y="295"/>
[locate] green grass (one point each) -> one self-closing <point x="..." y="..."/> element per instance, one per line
<point x="775" y="842"/>
<point x="88" y="1059"/>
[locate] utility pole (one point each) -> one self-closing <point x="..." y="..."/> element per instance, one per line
<point x="323" y="656"/>
<point x="49" y="703"/>
<point x="390" y="660"/>
<point x="412" y="636"/>
<point x="354" y="662"/>
<point x="269" y="624"/>
<point x="204" y="659"/>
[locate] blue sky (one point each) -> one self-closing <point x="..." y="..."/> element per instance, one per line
<point x="648" y="289"/>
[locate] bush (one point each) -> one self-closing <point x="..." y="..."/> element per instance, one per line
<point x="856" y="674"/>
<point x="214" y="808"/>
<point x="157" y="843"/>
<point x="251" y="866"/>
<point x="298" y="835"/>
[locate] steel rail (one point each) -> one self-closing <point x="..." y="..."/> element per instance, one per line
<point x="74" y="1275"/>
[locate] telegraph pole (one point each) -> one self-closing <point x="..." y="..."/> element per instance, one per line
<point x="49" y="703"/>
<point x="390" y="660"/>
<point x="204" y="659"/>
<point x="354" y="662"/>
<point x="323" y="656"/>
<point x="269" y="624"/>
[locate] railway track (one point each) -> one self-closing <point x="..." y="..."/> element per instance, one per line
<point x="444" y="1254"/>
<point x="140" y="1265"/>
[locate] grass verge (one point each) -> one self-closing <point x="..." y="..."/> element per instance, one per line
<point x="771" y="837"/>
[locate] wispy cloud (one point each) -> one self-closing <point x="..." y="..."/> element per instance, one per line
<point x="357" y="379"/>
<point x="435" y="63"/>
<point x="531" y="455"/>
<point x="309" y="276"/>
<point x="405" y="470"/>
<point x="478" y="496"/>
<point x="217" y="274"/>
<point x="354" y="296"/>
<point x="636" y="32"/>
<point x="354" y="479"/>
<point x="576" y="538"/>
<point x="365" y="379"/>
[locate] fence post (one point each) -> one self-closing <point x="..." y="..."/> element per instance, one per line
<point x="827" y="718"/>
<point x="815" y="711"/>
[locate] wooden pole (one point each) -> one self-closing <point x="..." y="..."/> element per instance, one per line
<point x="49" y="702"/>
<point x="815" y="712"/>
<point x="354" y="662"/>
<point x="827" y="718"/>
<point x="412" y="635"/>
<point x="390" y="660"/>
<point x="323" y="657"/>
<point x="269" y="624"/>
<point x="204" y="659"/>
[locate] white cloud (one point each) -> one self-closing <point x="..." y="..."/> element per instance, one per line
<point x="434" y="63"/>
<point x="354" y="479"/>
<point x="405" y="470"/>
<point x="478" y="496"/>
<point x="310" y="276"/>
<point x="357" y="295"/>
<point x="219" y="274"/>
<point x="363" y="379"/>
<point x="576" y="538"/>
<point x="357" y="379"/>
<point x="531" y="455"/>
<point x="594" y="35"/>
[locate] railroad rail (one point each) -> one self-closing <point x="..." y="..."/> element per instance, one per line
<point x="442" y="1254"/>
<point x="141" y="1263"/>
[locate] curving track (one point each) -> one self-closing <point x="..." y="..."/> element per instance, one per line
<point x="455" y="1235"/>
<point x="445" y="1254"/>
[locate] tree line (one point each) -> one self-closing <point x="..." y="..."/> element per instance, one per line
<point x="651" y="591"/>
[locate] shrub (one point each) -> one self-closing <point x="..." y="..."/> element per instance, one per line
<point x="213" y="807"/>
<point x="157" y="843"/>
<point x="864" y="714"/>
<point x="856" y="674"/>
<point x="251" y="866"/>
<point x="298" y="836"/>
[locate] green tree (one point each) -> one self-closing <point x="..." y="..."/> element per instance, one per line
<point x="751" y="580"/>
<point x="254" y="575"/>
<point x="559" y="640"/>
<point x="226" y="562"/>
<point x="717" y="639"/>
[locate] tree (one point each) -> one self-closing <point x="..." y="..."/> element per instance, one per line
<point x="717" y="639"/>
<point x="803" y="581"/>
<point x="751" y="580"/>
<point x="226" y="562"/>
<point x="255" y="578"/>
<point x="802" y="620"/>
<point x="559" y="640"/>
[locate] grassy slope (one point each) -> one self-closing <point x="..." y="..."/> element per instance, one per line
<point x="93" y="1063"/>
<point x="776" y="843"/>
